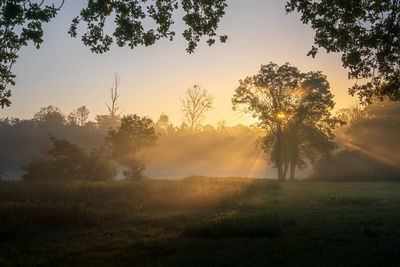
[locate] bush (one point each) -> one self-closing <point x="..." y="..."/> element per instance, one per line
<point x="64" y="161"/>
<point x="135" y="170"/>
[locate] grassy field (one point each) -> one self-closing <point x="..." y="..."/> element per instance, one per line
<point x="200" y="222"/>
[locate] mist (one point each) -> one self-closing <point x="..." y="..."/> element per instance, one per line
<point x="231" y="151"/>
<point x="368" y="145"/>
<point x="225" y="151"/>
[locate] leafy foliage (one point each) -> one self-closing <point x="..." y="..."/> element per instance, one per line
<point x="20" y="22"/>
<point x="294" y="109"/>
<point x="133" y="136"/>
<point x="366" y="32"/>
<point x="105" y="122"/>
<point x="64" y="161"/>
<point x="49" y="115"/>
<point x="78" y="117"/>
<point x="201" y="17"/>
<point x="164" y="126"/>
<point x="368" y="35"/>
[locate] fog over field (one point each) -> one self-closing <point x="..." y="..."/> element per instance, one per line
<point x="199" y="133"/>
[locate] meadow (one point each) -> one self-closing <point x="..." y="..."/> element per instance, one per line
<point x="199" y="221"/>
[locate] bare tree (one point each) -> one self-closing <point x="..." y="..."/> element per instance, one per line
<point x="113" y="108"/>
<point x="194" y="105"/>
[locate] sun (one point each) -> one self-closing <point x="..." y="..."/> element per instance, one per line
<point x="281" y="115"/>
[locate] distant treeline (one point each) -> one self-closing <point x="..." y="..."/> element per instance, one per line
<point x="181" y="150"/>
<point x="368" y="144"/>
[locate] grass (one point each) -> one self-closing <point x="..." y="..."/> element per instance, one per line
<point x="199" y="221"/>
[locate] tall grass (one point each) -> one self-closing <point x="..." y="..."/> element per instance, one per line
<point x="25" y="205"/>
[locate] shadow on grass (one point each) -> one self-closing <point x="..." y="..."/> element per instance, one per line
<point x="360" y="201"/>
<point x="234" y="226"/>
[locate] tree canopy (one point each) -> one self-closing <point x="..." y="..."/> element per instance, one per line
<point x="294" y="109"/>
<point x="133" y="136"/>
<point x="49" y="115"/>
<point x="21" y="22"/>
<point x="365" y="32"/>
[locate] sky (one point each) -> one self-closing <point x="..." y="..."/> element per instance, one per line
<point x="64" y="73"/>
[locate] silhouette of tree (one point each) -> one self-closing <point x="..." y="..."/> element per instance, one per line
<point x="1" y="165"/>
<point x="21" y="21"/>
<point x="194" y="105"/>
<point x="368" y="35"/>
<point x="105" y="122"/>
<point x="64" y="161"/>
<point x="294" y="110"/>
<point x="113" y="108"/>
<point x="165" y="126"/>
<point x="79" y="116"/>
<point x="350" y="114"/>
<point x="366" y="32"/>
<point x="49" y="115"/>
<point x="133" y="136"/>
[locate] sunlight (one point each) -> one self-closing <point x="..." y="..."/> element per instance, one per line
<point x="257" y="165"/>
<point x="374" y="155"/>
<point x="281" y="115"/>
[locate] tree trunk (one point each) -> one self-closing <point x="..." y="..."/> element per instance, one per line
<point x="280" y="173"/>
<point x="292" y="170"/>
<point x="279" y="161"/>
<point x="285" y="170"/>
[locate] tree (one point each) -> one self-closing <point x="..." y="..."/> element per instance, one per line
<point x="294" y="110"/>
<point x="64" y="161"/>
<point x="194" y="105"/>
<point x="113" y="108"/>
<point x="133" y="136"/>
<point x="164" y="124"/>
<point x="79" y="116"/>
<point x="105" y="122"/>
<point x="1" y="165"/>
<point x="366" y="32"/>
<point x="350" y="114"/>
<point x="49" y="115"/>
<point x="21" y="21"/>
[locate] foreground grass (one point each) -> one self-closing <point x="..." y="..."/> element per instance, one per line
<point x="200" y="221"/>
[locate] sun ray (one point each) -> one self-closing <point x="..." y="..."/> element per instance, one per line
<point x="374" y="155"/>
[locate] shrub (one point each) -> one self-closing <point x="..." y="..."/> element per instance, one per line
<point x="64" y="161"/>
